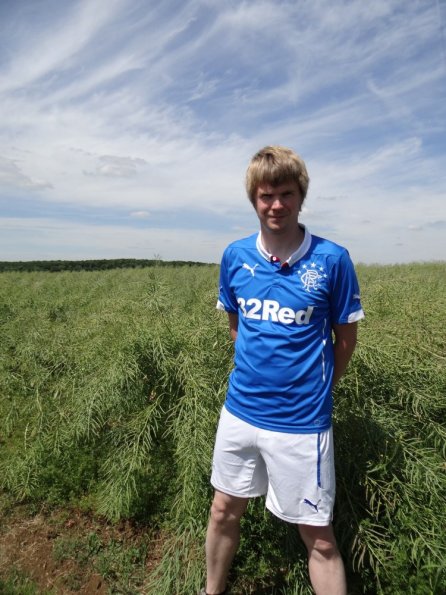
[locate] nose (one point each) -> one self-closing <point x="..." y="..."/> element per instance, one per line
<point x="277" y="203"/>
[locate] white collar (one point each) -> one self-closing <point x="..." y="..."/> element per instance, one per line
<point x="295" y="256"/>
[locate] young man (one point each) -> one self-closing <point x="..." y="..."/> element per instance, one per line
<point x="287" y="293"/>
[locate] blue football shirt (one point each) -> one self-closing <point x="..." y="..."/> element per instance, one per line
<point x="283" y="364"/>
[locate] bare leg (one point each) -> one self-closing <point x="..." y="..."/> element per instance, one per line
<point x="222" y="538"/>
<point x="325" y="564"/>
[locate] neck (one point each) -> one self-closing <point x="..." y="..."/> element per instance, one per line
<point x="282" y="245"/>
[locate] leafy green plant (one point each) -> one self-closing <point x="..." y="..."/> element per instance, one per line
<point x="18" y="583"/>
<point x="111" y="385"/>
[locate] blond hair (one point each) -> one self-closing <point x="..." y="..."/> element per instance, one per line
<point x="276" y="165"/>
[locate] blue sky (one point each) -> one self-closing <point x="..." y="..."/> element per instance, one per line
<point x="127" y="126"/>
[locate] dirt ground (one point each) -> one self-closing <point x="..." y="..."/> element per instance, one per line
<point x="48" y="548"/>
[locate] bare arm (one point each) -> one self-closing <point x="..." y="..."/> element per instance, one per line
<point x="233" y="325"/>
<point x="344" y="346"/>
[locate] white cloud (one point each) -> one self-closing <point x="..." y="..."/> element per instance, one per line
<point x="54" y="45"/>
<point x="46" y="239"/>
<point x="140" y="214"/>
<point x="149" y="108"/>
<point x="12" y="176"/>
<point x="117" y="167"/>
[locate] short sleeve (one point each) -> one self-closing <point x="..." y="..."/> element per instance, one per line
<point x="345" y="301"/>
<point x="226" y="298"/>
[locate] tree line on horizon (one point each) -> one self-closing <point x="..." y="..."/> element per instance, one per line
<point x="91" y="265"/>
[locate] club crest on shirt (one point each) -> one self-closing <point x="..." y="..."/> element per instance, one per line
<point x="312" y="276"/>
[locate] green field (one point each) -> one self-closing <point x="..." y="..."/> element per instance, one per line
<point x="111" y="383"/>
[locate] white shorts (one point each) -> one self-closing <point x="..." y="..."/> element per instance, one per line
<point x="295" y="471"/>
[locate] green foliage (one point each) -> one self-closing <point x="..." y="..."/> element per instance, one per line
<point x="390" y="412"/>
<point x="57" y="266"/>
<point x="111" y="385"/>
<point x="79" y="549"/>
<point x="18" y="583"/>
<point x="122" y="566"/>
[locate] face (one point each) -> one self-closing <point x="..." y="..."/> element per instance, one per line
<point x="278" y="207"/>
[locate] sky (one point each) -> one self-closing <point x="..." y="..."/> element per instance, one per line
<point x="126" y="126"/>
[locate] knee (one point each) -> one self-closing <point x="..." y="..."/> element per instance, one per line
<point x="324" y="549"/>
<point x="320" y="542"/>
<point x="225" y="512"/>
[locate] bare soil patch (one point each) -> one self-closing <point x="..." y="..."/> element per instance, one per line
<point x="60" y="551"/>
